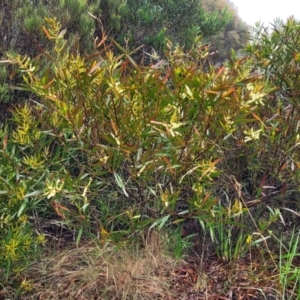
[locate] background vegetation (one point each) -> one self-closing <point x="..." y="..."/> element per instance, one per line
<point x="179" y="154"/>
<point x="139" y="25"/>
<point x="139" y="22"/>
<point x="235" y="34"/>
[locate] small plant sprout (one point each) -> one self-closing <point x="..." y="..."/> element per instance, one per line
<point x="252" y="134"/>
<point x="53" y="187"/>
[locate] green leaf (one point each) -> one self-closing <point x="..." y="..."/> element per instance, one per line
<point x="23" y="206"/>
<point x="32" y="194"/>
<point x="121" y="184"/>
<point x="160" y="222"/>
<point x="78" y="238"/>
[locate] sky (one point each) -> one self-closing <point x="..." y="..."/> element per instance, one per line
<point x="266" y="11"/>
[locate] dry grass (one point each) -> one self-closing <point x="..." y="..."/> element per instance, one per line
<point x="148" y="272"/>
<point x="103" y="272"/>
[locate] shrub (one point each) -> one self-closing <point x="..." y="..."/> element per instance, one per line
<point x="151" y="22"/>
<point x="275" y="57"/>
<point x="112" y="147"/>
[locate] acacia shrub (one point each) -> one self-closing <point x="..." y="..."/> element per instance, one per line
<point x="111" y="146"/>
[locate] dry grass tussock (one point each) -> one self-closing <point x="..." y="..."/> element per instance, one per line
<point x="136" y="272"/>
<point x="103" y="272"/>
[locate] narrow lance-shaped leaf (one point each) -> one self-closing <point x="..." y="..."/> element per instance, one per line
<point x="120" y="184"/>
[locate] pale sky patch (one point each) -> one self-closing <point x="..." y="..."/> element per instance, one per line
<point x="266" y="11"/>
